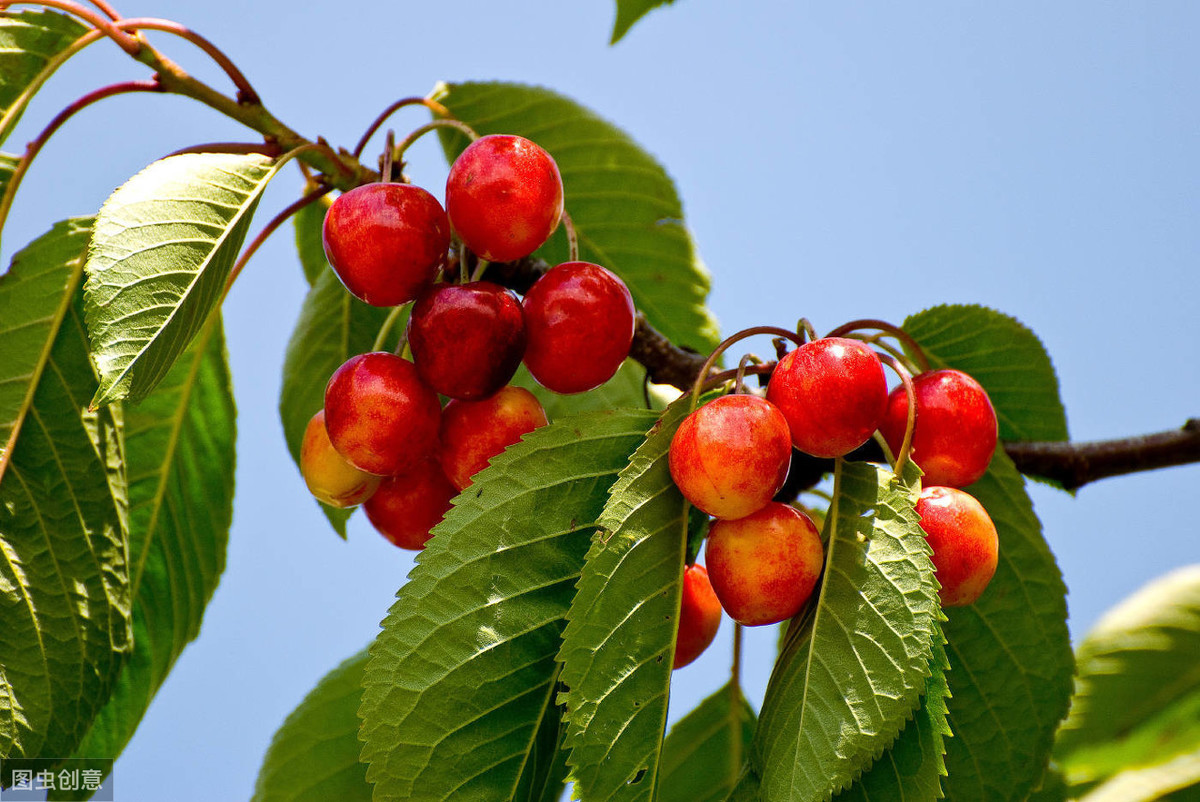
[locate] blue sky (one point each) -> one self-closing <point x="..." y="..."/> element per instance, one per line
<point x="836" y="161"/>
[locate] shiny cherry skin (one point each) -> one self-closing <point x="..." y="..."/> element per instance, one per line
<point x="408" y="505"/>
<point x="329" y="477"/>
<point x="731" y="456"/>
<point x="467" y="339"/>
<point x="832" y="392"/>
<point x="699" y="616"/>
<point x="473" y="432"/>
<point x="955" y="432"/>
<point x="964" y="542"/>
<point x="764" y="567"/>
<point x="379" y="414"/>
<point x="579" y="325"/>
<point x="504" y="197"/>
<point x="386" y="241"/>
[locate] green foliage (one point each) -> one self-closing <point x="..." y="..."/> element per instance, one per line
<point x="624" y="390"/>
<point x="1137" y="695"/>
<point x="65" y="628"/>
<point x="1005" y="357"/>
<point x="629" y="12"/>
<point x="314" y="754"/>
<point x="8" y="165"/>
<point x="458" y="698"/>
<point x="1010" y="655"/>
<point x="29" y="43"/>
<point x="163" y="247"/>
<point x="855" y="663"/>
<point x="1174" y="780"/>
<point x="307" y="226"/>
<point x="703" y="754"/>
<point x="624" y="205"/>
<point x="619" y="643"/>
<point x="180" y="454"/>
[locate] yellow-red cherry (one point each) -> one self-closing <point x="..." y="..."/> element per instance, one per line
<point x="329" y="477"/>
<point x="964" y="540"/>
<point x="473" y="432"/>
<point x="408" y="505"/>
<point x="699" y="616"/>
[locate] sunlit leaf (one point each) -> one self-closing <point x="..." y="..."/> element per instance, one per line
<point x="1177" y="780"/>
<point x="629" y="12"/>
<point x="29" y="41"/>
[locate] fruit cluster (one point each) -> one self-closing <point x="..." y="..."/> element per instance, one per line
<point x="825" y="398"/>
<point x="383" y="438"/>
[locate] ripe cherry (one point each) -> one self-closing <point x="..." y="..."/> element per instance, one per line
<point x="386" y="241"/>
<point x="504" y="196"/>
<point x="699" y="616"/>
<point x="763" y="567"/>
<point x="328" y="476"/>
<point x="379" y="414"/>
<point x="833" y="394"/>
<point x="473" y="432"/>
<point x="579" y="325"/>
<point x="408" y="505"/>
<point x="955" y="431"/>
<point x="964" y="542"/>
<point x="467" y="340"/>
<point x="731" y="456"/>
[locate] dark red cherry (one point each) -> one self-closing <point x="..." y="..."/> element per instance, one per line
<point x="407" y="506"/>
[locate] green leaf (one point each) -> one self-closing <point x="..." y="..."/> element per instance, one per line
<point x="29" y="42"/>
<point x="314" y="754"/>
<point x="856" y="662"/>
<point x="333" y="326"/>
<point x="705" y="750"/>
<point x="1137" y="694"/>
<point x="619" y="643"/>
<point x="626" y="210"/>
<point x="1149" y="783"/>
<point x="622" y="391"/>
<point x="629" y="12"/>
<point x="163" y="247"/>
<point x="65" y="625"/>
<point x="461" y="680"/>
<point x="8" y="165"/>
<point x="307" y="225"/>
<point x="912" y="769"/>
<point x="1010" y="655"/>
<point x="179" y="446"/>
<point x="1005" y="357"/>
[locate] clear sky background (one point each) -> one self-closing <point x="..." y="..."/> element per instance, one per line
<point x="836" y="161"/>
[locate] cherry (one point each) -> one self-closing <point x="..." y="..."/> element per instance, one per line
<point x="475" y="431"/>
<point x="579" y="324"/>
<point x="467" y="340"/>
<point x="408" y="505"/>
<point x="386" y="241"/>
<point x="380" y="415"/>
<point x="964" y="542"/>
<point x="504" y="196"/>
<point x="328" y="476"/>
<point x="731" y="456"/>
<point x="955" y="432"/>
<point x="832" y="392"/>
<point x="699" y="616"/>
<point x="763" y="567"/>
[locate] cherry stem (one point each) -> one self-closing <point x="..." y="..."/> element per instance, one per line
<point x="462" y="263"/>
<point x="906" y="379"/>
<point x="35" y="145"/>
<point x="806" y="327"/>
<point x="385" y="174"/>
<point x="739" y="381"/>
<point x="897" y="332"/>
<point x="246" y="92"/>
<point x="432" y="105"/>
<point x="107" y="26"/>
<point x="735" y="672"/>
<point x="106" y="9"/>
<point x="698" y="384"/>
<point x="270" y="229"/>
<point x="572" y="237"/>
<point x="386" y="329"/>
<point x="717" y="379"/>
<point x="457" y="125"/>
<point x="477" y="274"/>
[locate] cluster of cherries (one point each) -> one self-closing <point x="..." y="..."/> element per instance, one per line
<point x="383" y="438"/>
<point x="826" y="398"/>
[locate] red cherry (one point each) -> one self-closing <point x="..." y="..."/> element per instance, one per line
<point x="407" y="506"/>
<point x="699" y="616"/>
<point x="504" y="196"/>
<point x="475" y="431"/>
<point x="955" y="432"/>
<point x="328" y="476"/>
<point x="380" y="415"/>
<point x="764" y="567"/>
<point x="731" y="456"/>
<point x="964" y="542"/>
<point x="579" y="325"/>
<point x="832" y="392"/>
<point x="385" y="241"/>
<point x="467" y="340"/>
